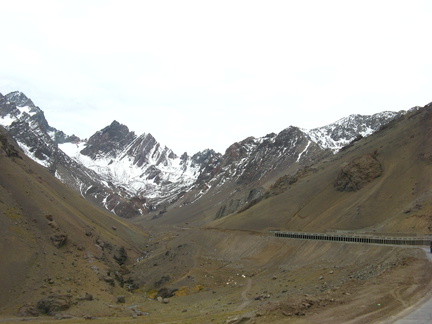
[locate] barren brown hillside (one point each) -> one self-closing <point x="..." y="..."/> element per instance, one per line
<point x="54" y="243"/>
<point x="398" y="199"/>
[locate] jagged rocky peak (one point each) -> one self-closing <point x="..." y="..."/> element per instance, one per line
<point x="109" y="141"/>
<point x="207" y="161"/>
<point x="288" y="137"/>
<point x="269" y="137"/>
<point x="145" y="149"/>
<point x="27" y="124"/>
<point x="60" y="137"/>
<point x="19" y="107"/>
<point x="19" y="99"/>
<point x="206" y="156"/>
<point x="184" y="157"/>
<point x="240" y="150"/>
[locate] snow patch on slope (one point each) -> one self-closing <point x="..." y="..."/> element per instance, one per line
<point x="122" y="170"/>
<point x="300" y="155"/>
<point x="27" y="150"/>
<point x="6" y="121"/>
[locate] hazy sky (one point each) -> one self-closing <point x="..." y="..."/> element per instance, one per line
<point x="204" y="74"/>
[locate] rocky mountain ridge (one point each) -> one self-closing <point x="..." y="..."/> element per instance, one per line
<point x="138" y="164"/>
<point x="27" y="124"/>
<point x="134" y="175"/>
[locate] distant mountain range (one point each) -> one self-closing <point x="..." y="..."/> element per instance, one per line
<point x="133" y="175"/>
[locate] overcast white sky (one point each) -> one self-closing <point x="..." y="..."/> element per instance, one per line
<point x="204" y="74"/>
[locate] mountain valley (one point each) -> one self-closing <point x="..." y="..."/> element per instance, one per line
<point x="118" y="227"/>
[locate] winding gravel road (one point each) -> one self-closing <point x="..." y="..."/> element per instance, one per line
<point x="420" y="313"/>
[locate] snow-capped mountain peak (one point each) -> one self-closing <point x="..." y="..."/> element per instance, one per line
<point x="133" y="174"/>
<point x="340" y="133"/>
<point x="19" y="99"/>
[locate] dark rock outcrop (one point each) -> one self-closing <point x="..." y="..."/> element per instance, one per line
<point x="59" y="240"/>
<point x="27" y="310"/>
<point x="166" y="292"/>
<point x="9" y="146"/>
<point x="120" y="255"/>
<point x="357" y="173"/>
<point x="54" y="303"/>
<point x="108" y="141"/>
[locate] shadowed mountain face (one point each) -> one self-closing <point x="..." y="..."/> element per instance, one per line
<point x="109" y="141"/>
<point x="210" y="256"/>
<point x="132" y="175"/>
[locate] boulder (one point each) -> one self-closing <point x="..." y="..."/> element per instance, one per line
<point x="58" y="240"/>
<point x="109" y="280"/>
<point x="27" y="310"/>
<point x="166" y="292"/>
<point x="53" y="225"/>
<point x="87" y="296"/>
<point x="54" y="303"/>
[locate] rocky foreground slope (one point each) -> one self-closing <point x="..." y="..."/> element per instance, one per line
<point x="133" y="175"/>
<point x="58" y="250"/>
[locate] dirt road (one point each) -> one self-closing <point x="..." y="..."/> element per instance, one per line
<point x="244" y="296"/>
<point x="420" y="313"/>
